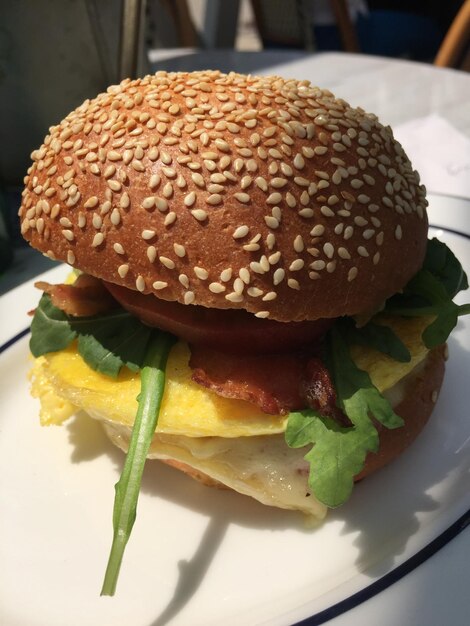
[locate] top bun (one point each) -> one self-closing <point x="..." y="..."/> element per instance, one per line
<point x="230" y="191"/>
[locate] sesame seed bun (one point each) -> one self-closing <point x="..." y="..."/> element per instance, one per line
<point x="230" y="191"/>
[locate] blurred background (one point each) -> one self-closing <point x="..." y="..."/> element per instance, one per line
<point x="56" y="53"/>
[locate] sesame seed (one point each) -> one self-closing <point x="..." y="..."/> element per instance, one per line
<point x="271" y="221"/>
<point x="352" y="274"/>
<point x="168" y="263"/>
<point x="293" y="284"/>
<point x="328" y="249"/>
<point x="201" y="273"/>
<point x="148" y="202"/>
<point x="278" y="182"/>
<point x="169" y="172"/>
<point x="278" y="276"/>
<point x="262" y="314"/>
<point x="179" y="249"/>
<point x="97" y="221"/>
<point x="68" y="234"/>
<point x="274" y="198"/>
<point x="298" y="243"/>
<point x="91" y="202"/>
<point x="226" y="274"/>
<point x="254" y="292"/>
<point x="170" y="218"/>
<point x="105" y="207"/>
<point x="326" y="211"/>
<point x="114" y="185"/>
<point x="70" y="257"/>
<point x="97" y="240"/>
<point x="154" y="181"/>
<point x="214" y="199"/>
<point x="244" y="198"/>
<point x="261" y="183"/>
<point x="362" y="251"/>
<point x="140" y="283"/>
<point x="317" y="231"/>
<point x="167" y="190"/>
<point x="398" y="232"/>
<point x="148" y="234"/>
<point x="234" y="297"/>
<point x="124" y="201"/>
<point x="198" y="179"/>
<point x="222" y="145"/>
<point x="274" y="258"/>
<point x="123" y="269"/>
<point x="216" y="288"/>
<point x="161" y="204"/>
<point x="159" y="284"/>
<point x="189" y="297"/>
<point x="240" y="232"/>
<point x="199" y="214"/>
<point x="151" y="253"/>
<point x="299" y="162"/>
<point x="184" y="280"/>
<point x="296" y="265"/>
<point x="218" y="178"/>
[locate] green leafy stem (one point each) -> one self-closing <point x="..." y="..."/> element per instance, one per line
<point x="128" y="487"/>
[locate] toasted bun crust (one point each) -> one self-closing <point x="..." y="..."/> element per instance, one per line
<point x="420" y="397"/>
<point x="230" y="191"/>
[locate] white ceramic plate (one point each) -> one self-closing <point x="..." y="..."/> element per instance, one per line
<point x="199" y="556"/>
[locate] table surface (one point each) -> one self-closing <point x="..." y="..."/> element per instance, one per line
<point x="396" y="91"/>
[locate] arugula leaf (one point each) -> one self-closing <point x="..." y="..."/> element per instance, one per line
<point x="338" y="454"/>
<point x="50" y="330"/>
<point x="430" y="292"/>
<point x="128" y="487"/>
<point x="379" y="337"/>
<point x="106" y="342"/>
<point x="443" y="264"/>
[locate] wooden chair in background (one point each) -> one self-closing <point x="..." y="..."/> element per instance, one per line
<point x="455" y="49"/>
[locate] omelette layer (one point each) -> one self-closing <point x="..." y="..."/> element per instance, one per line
<point x="229" y="440"/>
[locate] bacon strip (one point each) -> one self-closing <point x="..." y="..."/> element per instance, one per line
<point x="270" y="382"/>
<point x="85" y="297"/>
<point x="277" y="383"/>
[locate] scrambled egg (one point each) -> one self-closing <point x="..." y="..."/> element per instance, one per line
<point x="63" y="381"/>
<point x="187" y="408"/>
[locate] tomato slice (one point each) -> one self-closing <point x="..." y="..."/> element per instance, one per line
<point x="230" y="330"/>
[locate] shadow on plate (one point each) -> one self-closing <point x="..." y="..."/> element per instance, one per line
<point x="399" y="494"/>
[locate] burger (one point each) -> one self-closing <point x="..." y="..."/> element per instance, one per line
<point x="254" y="298"/>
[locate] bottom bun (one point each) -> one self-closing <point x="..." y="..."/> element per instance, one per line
<point x="420" y="395"/>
